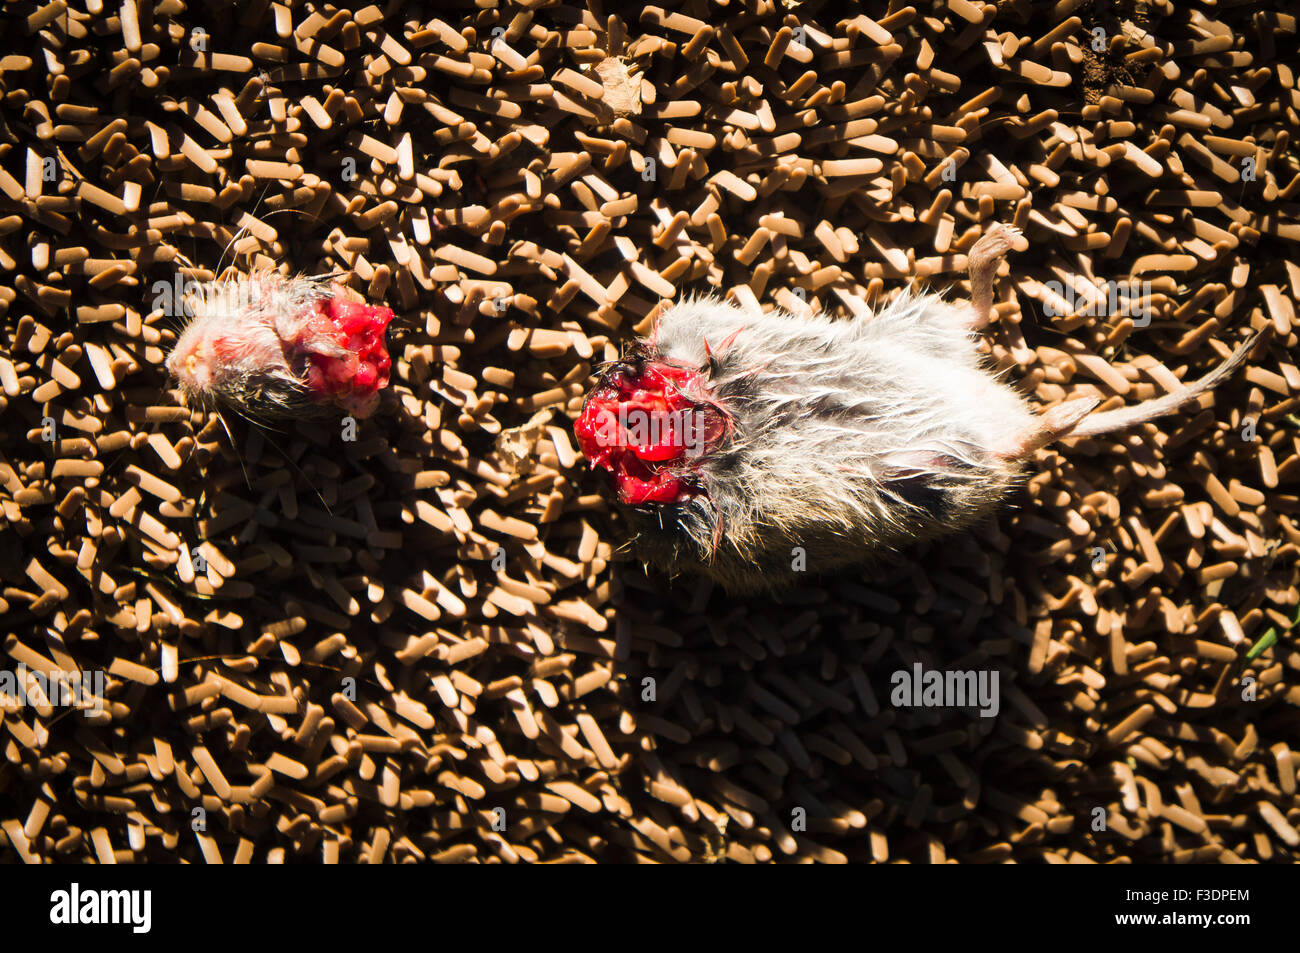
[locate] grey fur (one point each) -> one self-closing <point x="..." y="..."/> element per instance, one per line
<point x="852" y="438"/>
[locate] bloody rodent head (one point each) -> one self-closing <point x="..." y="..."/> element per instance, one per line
<point x="274" y="346"/>
<point x="649" y="423"/>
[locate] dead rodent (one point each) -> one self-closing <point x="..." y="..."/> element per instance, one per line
<point x="274" y="347"/>
<point x="735" y="438"/>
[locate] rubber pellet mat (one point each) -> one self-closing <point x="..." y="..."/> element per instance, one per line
<point x="422" y="637"/>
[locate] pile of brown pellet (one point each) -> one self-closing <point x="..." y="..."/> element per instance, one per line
<point x="429" y="642"/>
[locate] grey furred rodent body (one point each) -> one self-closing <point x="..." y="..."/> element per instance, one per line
<point x="852" y="438"/>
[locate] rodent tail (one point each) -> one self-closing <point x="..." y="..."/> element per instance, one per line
<point x="1124" y="417"/>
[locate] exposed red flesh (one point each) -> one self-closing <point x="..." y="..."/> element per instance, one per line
<point x="354" y="378"/>
<point x="643" y="465"/>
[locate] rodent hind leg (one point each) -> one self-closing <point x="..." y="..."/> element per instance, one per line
<point x="982" y="263"/>
<point x="1050" y="425"/>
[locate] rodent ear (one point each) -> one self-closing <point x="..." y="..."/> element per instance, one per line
<point x="711" y="366"/>
<point x="288" y="326"/>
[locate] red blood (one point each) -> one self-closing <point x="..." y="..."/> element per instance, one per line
<point x="640" y="428"/>
<point x="227" y="349"/>
<point x="353" y="378"/>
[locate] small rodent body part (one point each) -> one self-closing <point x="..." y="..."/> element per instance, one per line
<point x="273" y="346"/>
<point x="664" y="403"/>
<point x="741" y="442"/>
